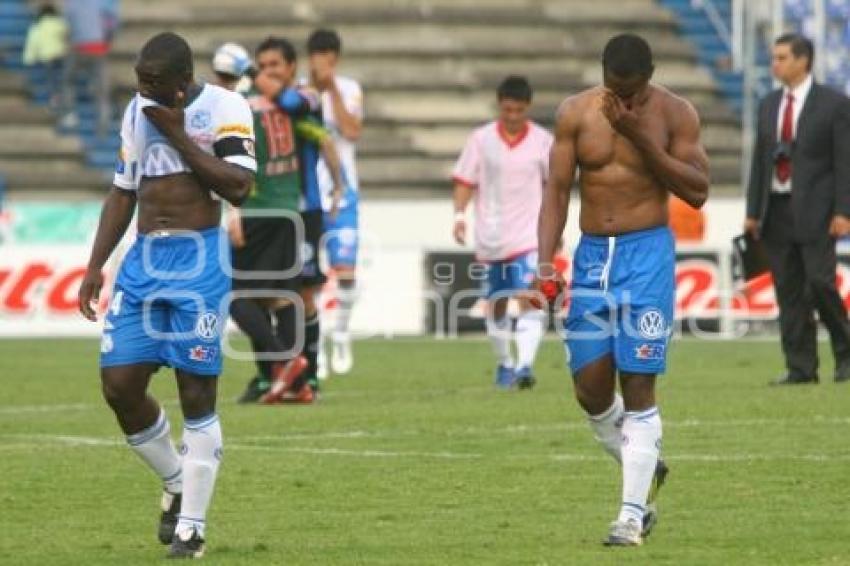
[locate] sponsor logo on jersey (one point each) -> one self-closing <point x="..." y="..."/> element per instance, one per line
<point x="240" y="129"/>
<point x="650" y="352"/>
<point x="207" y="326"/>
<point x="161" y="159"/>
<point x="200" y="119"/>
<point x="205" y="354"/>
<point x="651" y="324"/>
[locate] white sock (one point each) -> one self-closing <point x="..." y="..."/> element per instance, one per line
<point x="346" y="296"/>
<point x="529" y="331"/>
<point x="499" y="332"/>
<point x="154" y="446"/>
<point x="202" y="447"/>
<point x="641" y="447"/>
<point x="608" y="427"/>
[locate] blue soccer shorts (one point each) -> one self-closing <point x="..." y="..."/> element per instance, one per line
<point x="504" y="278"/>
<point x="341" y="236"/>
<point x="621" y="300"/>
<point x="168" y="303"/>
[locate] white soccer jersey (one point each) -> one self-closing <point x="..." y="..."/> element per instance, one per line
<point x="352" y="99"/>
<point x="218" y="120"/>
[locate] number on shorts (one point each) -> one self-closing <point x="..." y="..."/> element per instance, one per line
<point x="115" y="305"/>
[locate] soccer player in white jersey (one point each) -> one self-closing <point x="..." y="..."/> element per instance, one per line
<point x="184" y="147"/>
<point x="342" y="114"/>
<point x="503" y="168"/>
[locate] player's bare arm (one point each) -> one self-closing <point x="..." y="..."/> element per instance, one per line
<point x="350" y="126"/>
<point x="331" y="156"/>
<point x="115" y="217"/>
<point x="683" y="168"/>
<point x="556" y="194"/>
<point x="231" y="182"/>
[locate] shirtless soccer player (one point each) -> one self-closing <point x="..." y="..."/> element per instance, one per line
<point x="184" y="146"/>
<point x="634" y="143"/>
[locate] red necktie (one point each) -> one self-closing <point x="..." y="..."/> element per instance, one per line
<point x="783" y="164"/>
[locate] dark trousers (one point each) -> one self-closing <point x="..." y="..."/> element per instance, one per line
<point x="804" y="279"/>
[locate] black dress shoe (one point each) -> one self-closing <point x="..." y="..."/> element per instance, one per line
<point x="842" y="371"/>
<point x="795" y="379"/>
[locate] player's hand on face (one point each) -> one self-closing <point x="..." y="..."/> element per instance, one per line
<point x="459" y="231"/>
<point x="622" y="119"/>
<point x="840" y="226"/>
<point x="322" y="76"/>
<point x="268" y="86"/>
<point x="89" y="294"/>
<point x="169" y="121"/>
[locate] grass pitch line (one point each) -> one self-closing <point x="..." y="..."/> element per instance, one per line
<point x="93" y="441"/>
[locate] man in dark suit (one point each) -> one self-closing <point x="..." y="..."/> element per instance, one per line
<point x="798" y="203"/>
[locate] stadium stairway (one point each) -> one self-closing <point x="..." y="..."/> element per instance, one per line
<point x="36" y="158"/>
<point x="712" y="52"/>
<point x="430" y="67"/>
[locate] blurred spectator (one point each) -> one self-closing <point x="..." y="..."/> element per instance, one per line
<point x="45" y="49"/>
<point x="686" y="222"/>
<point x="92" y="25"/>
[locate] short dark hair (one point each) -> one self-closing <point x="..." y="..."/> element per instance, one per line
<point x="515" y="87"/>
<point x="171" y="49"/>
<point x="627" y="55"/>
<point x="280" y="44"/>
<point x="801" y="46"/>
<point x="46" y="9"/>
<point x="324" y="39"/>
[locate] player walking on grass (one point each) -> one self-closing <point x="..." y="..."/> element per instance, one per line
<point x="503" y="168"/>
<point x="634" y="143"/>
<point x="183" y="146"/>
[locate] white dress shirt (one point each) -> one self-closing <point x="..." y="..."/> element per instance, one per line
<point x="800" y="92"/>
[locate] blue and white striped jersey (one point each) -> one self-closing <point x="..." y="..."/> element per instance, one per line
<point x="218" y="120"/>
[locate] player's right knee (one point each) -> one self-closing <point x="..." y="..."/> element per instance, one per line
<point x="593" y="397"/>
<point x="117" y="397"/>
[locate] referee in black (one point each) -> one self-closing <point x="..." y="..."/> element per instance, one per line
<point x="798" y="203"/>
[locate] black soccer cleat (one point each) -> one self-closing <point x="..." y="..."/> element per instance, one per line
<point x="650" y="516"/>
<point x="255" y="389"/>
<point x="189" y="545"/>
<point x="524" y="379"/>
<point x="168" y="518"/>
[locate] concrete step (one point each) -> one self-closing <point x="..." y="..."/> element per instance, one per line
<point x="38" y="173"/>
<point x="572" y="11"/>
<point x="411" y="39"/>
<point x="405" y="171"/>
<point x="37" y="141"/>
<point x="19" y="111"/>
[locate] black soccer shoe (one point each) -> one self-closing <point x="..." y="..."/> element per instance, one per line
<point x="523" y="378"/>
<point x="255" y="389"/>
<point x="168" y="519"/>
<point x="191" y="547"/>
<point x="650" y="516"/>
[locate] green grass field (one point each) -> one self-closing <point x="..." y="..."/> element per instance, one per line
<point x="415" y="459"/>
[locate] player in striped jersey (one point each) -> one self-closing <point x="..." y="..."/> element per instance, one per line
<point x="183" y="147"/>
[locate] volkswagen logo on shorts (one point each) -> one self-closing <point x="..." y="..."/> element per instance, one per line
<point x="207" y="326"/>
<point x="651" y="324"/>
